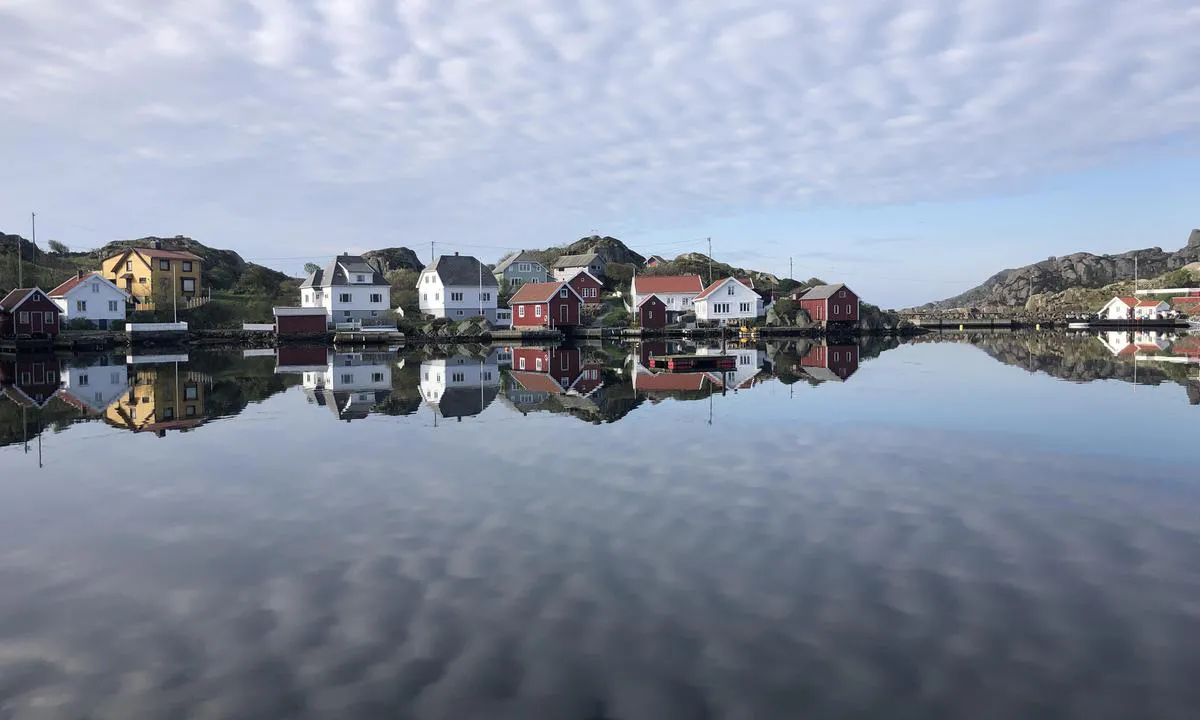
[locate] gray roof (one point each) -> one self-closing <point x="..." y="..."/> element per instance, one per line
<point x="821" y="292"/>
<point x="457" y="402"/>
<point x="340" y="269"/>
<point x="522" y="255"/>
<point x="822" y="374"/>
<point x="573" y="261"/>
<point x="462" y="270"/>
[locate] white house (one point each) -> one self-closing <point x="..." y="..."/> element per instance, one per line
<point x="350" y="384"/>
<point x="350" y="289"/>
<point x="1131" y="308"/>
<point x="458" y="287"/>
<point x="677" y="292"/>
<point x="95" y="387"/>
<point x="728" y="301"/>
<point x="460" y="386"/>
<point x="90" y="297"/>
<point x="750" y="363"/>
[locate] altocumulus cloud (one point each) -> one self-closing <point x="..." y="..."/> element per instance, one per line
<point x="624" y="106"/>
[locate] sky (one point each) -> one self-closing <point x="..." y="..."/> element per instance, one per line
<point x="908" y="147"/>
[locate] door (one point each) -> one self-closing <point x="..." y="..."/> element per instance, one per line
<point x="564" y="314"/>
<point x="35" y="321"/>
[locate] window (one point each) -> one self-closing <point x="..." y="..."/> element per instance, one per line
<point x="562" y="293"/>
<point x="437" y="296"/>
<point x="730" y="290"/>
<point x="460" y="313"/>
<point x="359" y="278"/>
<point x="537" y="310"/>
<point x="48" y="318"/>
<point x="345" y="313"/>
<point x="537" y="364"/>
<point x="191" y="411"/>
<point x="566" y="363"/>
<point x="187" y="265"/>
<point x="836" y="356"/>
<point x="424" y="297"/>
<point x="744" y="307"/>
<point x="487" y="375"/>
<point x="521" y="362"/>
<point x="143" y="281"/>
<point x="650" y="314"/>
<point x="168" y="414"/>
<point x="720" y="308"/>
<point x="191" y="392"/>
<point x="374" y="313"/>
<point x="848" y="311"/>
<point x="376" y="297"/>
<point x="457" y="377"/>
<point x="486" y="296"/>
<point x="81" y="306"/>
<point x="347" y="378"/>
<point x="98" y="397"/>
<point x="128" y="266"/>
<point x="83" y="380"/>
<point x="377" y="377"/>
<point x="95" y="287"/>
<point x="115" y="378"/>
<point x="520" y="311"/>
<point x="112" y="305"/>
<point x="344" y="297"/>
<point x="456" y="297"/>
<point x="837" y="309"/>
<point x="164" y="264"/>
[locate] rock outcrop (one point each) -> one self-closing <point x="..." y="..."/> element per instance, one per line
<point x="395" y="258"/>
<point x="607" y="247"/>
<point x="1014" y="287"/>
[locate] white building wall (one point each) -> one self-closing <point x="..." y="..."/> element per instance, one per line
<point x="103" y="303"/>
<point x="98" y="385"/>
<point x="723" y="306"/>
<point x="459" y="371"/>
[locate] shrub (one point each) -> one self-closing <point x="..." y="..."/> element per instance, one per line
<point x="617" y="318"/>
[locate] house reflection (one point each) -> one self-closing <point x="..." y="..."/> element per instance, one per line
<point x="459" y="385"/>
<point x="557" y="380"/>
<point x="348" y="384"/>
<point x="159" y="398"/>
<point x="830" y="363"/>
<point x="94" y="386"/>
<point x="1126" y="344"/>
<point x="30" y="379"/>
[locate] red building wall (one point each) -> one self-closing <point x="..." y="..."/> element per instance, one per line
<point x="552" y="313"/>
<point x="42" y="323"/>
<point x="821" y="310"/>
<point x="581" y="283"/>
<point x="301" y="324"/>
<point x="652" y="313"/>
<point x="563" y="364"/>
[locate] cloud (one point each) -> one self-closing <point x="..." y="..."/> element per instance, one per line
<point x="645" y="110"/>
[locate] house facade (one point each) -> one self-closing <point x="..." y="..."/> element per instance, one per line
<point x="652" y="313"/>
<point x="1132" y="308"/>
<point x="144" y="273"/>
<point x="829" y="303"/>
<point x="93" y="388"/>
<point x="831" y="362"/>
<point x="565" y="266"/>
<point x="30" y="380"/>
<point x="349" y="385"/>
<point x="677" y="292"/>
<point x="520" y="268"/>
<point x="728" y="301"/>
<point x="562" y="364"/>
<point x="457" y="287"/>
<point x="350" y="289"/>
<point x="91" y="297"/>
<point x="160" y="398"/>
<point x="459" y="386"/>
<point x="586" y="286"/>
<point x="551" y="305"/>
<point x="28" y="312"/>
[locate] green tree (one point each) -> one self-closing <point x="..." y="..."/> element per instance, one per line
<point x="58" y="248"/>
<point x="814" y="281"/>
<point x="619" y="275"/>
<point x="310" y="268"/>
<point x="404" y="294"/>
<point x="1178" y="278"/>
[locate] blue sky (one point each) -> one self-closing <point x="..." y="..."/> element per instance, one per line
<point x="910" y="147"/>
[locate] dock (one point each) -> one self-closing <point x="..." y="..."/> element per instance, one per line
<point x="689" y="363"/>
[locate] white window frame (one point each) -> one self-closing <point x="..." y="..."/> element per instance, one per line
<point x="345" y="297"/>
<point x="520" y="311"/>
<point x="537" y="310"/>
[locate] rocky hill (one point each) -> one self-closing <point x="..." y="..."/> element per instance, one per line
<point x="698" y="264"/>
<point x="397" y="258"/>
<point x="1014" y="287"/>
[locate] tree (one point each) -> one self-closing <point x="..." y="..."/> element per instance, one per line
<point x="619" y="275"/>
<point x="310" y="268"/>
<point x="58" y="248"/>
<point x="404" y="294"/>
<point x="815" y="281"/>
<point x="1178" y="278"/>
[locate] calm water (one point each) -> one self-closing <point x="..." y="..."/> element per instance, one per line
<point x="1000" y="527"/>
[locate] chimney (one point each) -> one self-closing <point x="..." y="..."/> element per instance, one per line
<point x="455" y="253"/>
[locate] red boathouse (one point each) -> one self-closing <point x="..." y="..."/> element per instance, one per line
<point x="652" y="313"/>
<point x="28" y="312"/>
<point x="829" y="303"/>
<point x="551" y="305"/>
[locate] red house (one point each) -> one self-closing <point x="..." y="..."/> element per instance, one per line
<point x="562" y="364"/>
<point x="30" y="380"/>
<point x="586" y="286"/>
<point x="829" y="303"/>
<point x="831" y="362"/>
<point x="552" y="304"/>
<point x="652" y="312"/>
<point x="28" y="312"/>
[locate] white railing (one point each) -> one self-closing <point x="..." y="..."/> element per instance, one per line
<point x="156" y="327"/>
<point x="258" y="327"/>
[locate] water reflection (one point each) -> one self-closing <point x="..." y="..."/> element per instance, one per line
<point x="460" y="385"/>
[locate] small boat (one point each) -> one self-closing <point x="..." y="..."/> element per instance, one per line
<point x="693" y="362"/>
<point x="1078" y="325"/>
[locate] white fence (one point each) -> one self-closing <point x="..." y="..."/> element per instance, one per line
<point x="258" y="327"/>
<point x="156" y="327"/>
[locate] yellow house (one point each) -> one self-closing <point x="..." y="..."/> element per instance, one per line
<point x="144" y="272"/>
<point x="159" y="399"/>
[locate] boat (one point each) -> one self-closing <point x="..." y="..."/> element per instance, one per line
<point x="1078" y="325"/>
<point x="688" y="363"/>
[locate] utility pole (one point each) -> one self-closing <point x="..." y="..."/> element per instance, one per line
<point x="431" y="251"/>
<point x="710" y="277"/>
<point x="174" y="301"/>
<point x="791" y="271"/>
<point x="1135" y="273"/>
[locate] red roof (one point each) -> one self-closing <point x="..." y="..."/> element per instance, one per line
<point x="1149" y="303"/>
<point x="1130" y="301"/>
<point x="648" y="298"/>
<point x="668" y="283"/>
<point x="712" y="288"/>
<point x="537" y="292"/>
<point x="70" y="285"/>
<point x="14" y="298"/>
<point x="537" y="382"/>
<point x="166" y="254"/>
